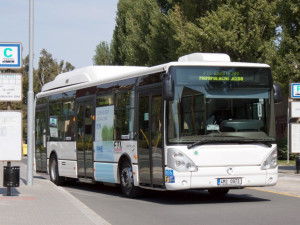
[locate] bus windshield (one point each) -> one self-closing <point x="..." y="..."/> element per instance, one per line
<point x="219" y="104"/>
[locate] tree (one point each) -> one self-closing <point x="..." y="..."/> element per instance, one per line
<point x="241" y="29"/>
<point x="48" y="69"/>
<point x="285" y="59"/>
<point x="102" y="54"/>
<point x="120" y="33"/>
<point x="135" y="34"/>
<point x="150" y="32"/>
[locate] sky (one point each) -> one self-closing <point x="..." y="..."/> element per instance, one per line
<point x="68" y="29"/>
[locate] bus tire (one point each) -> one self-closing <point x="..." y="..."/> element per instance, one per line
<point x="218" y="192"/>
<point x="54" y="176"/>
<point x="126" y="180"/>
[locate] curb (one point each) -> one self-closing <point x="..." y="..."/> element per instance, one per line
<point x="93" y="216"/>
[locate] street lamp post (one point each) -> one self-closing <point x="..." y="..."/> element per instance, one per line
<point x="30" y="96"/>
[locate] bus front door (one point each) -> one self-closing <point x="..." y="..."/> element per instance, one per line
<point x="84" y="138"/>
<point x="150" y="145"/>
<point x="41" y="123"/>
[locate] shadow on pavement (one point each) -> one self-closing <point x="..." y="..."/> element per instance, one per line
<point x="186" y="197"/>
<point x="14" y="191"/>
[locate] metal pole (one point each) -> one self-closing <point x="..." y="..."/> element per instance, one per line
<point x="288" y="136"/>
<point x="30" y="95"/>
<point x="8" y="189"/>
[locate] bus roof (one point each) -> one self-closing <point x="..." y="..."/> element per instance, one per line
<point x="90" y="75"/>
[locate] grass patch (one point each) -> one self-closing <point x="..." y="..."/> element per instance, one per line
<point x="284" y="163"/>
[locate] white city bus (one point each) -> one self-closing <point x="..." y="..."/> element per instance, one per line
<point x="203" y="122"/>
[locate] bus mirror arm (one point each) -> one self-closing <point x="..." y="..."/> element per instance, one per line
<point x="168" y="87"/>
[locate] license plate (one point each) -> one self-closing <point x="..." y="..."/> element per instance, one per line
<point x="229" y="181"/>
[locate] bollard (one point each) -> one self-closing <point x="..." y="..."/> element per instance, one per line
<point x="297" y="164"/>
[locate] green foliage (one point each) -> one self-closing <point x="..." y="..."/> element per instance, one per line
<point x="243" y="31"/>
<point x="151" y="32"/>
<point x="48" y="69"/>
<point x="102" y="54"/>
<point x="140" y="34"/>
<point x="285" y="59"/>
<point x="282" y="149"/>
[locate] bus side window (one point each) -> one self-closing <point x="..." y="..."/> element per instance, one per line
<point x="55" y="120"/>
<point x="124" y="115"/>
<point x="68" y="122"/>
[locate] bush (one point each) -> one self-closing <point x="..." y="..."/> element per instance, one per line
<point x="282" y="149"/>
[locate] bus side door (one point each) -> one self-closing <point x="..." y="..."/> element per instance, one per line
<point x="150" y="144"/>
<point x="85" y="136"/>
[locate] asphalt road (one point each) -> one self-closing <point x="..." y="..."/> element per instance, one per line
<point x="246" y="206"/>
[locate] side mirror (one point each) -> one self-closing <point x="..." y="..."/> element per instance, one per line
<point x="277" y="93"/>
<point x="168" y="87"/>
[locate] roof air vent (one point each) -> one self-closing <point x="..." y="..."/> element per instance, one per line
<point x="205" y="57"/>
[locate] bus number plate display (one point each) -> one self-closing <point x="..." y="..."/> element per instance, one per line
<point x="229" y="181"/>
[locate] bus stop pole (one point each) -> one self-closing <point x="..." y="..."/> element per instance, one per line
<point x="288" y="137"/>
<point x="30" y="95"/>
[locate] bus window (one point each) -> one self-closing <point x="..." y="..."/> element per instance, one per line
<point x="68" y="121"/>
<point x="54" y="124"/>
<point x="124" y="115"/>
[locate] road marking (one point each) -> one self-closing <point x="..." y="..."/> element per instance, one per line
<point x="275" y="192"/>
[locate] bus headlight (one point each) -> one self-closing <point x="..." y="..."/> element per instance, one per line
<point x="271" y="161"/>
<point x="180" y="162"/>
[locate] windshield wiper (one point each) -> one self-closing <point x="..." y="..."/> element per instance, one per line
<point x="204" y="141"/>
<point x="209" y="140"/>
<point x="266" y="142"/>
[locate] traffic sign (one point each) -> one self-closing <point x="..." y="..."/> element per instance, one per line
<point x="10" y="55"/>
<point x="295" y="90"/>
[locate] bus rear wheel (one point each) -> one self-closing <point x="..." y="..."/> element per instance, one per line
<point x="126" y="180"/>
<point x="54" y="176"/>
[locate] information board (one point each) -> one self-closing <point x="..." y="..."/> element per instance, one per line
<point x="295" y="137"/>
<point x="10" y="55"/>
<point x="10" y="135"/>
<point x="10" y="87"/>
<point x="295" y="109"/>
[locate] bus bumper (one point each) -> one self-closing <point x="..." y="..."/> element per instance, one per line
<point x="208" y="177"/>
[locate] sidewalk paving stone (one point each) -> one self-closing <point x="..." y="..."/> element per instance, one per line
<point x="43" y="203"/>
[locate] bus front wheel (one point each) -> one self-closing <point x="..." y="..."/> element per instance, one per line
<point x="126" y="180"/>
<point x="54" y="176"/>
<point x="218" y="192"/>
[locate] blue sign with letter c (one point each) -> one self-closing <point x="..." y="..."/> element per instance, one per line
<point x="5" y="52"/>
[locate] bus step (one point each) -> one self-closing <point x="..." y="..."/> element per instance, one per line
<point x="87" y="180"/>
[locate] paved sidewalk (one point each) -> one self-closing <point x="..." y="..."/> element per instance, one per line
<point x="43" y="203"/>
<point x="288" y="182"/>
<point x="288" y="170"/>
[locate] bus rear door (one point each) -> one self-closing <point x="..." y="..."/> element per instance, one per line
<point x="41" y="124"/>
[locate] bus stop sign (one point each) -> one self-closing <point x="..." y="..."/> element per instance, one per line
<point x="295" y="90"/>
<point x="10" y="55"/>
